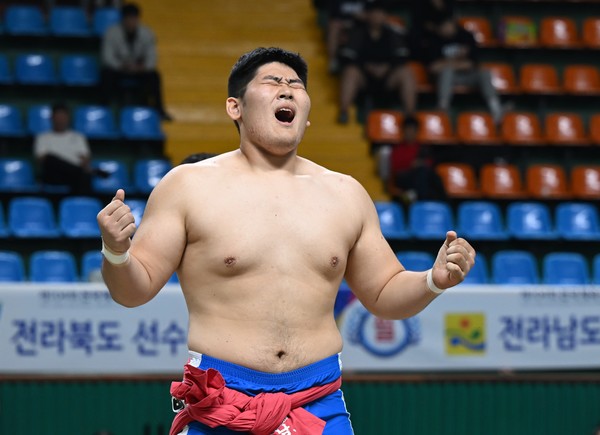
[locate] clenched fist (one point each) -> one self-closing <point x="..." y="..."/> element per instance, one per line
<point x="117" y="224"/>
<point x="455" y="259"/>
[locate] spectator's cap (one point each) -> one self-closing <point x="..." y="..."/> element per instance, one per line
<point x="372" y="5"/>
<point x="130" y="10"/>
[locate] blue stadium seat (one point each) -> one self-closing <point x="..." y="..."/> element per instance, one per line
<point x="514" y="267"/>
<point x="39" y="119"/>
<point x="24" y="21"/>
<point x="529" y="221"/>
<point x="69" y="21"/>
<point x="32" y="217"/>
<point x="91" y="264"/>
<point x="479" y="272"/>
<point x="565" y="268"/>
<point x="6" y="76"/>
<point x="137" y="207"/>
<point x="16" y="175"/>
<point x="79" y="70"/>
<point x="11" y="123"/>
<point x="174" y="279"/>
<point x="104" y="18"/>
<point x="96" y="122"/>
<point x="52" y="266"/>
<point x="77" y="216"/>
<point x="430" y="220"/>
<point x="11" y="267"/>
<point x="415" y="260"/>
<point x="480" y="220"/>
<point x="577" y="221"/>
<point x="596" y="268"/>
<point x="391" y="220"/>
<point x="35" y="69"/>
<point x="148" y="172"/>
<point x="141" y="123"/>
<point x="119" y="177"/>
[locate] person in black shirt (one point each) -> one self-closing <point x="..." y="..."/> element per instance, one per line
<point x="374" y="59"/>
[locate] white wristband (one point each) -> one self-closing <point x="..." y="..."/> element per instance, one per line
<point x="434" y="288"/>
<point x="114" y="258"/>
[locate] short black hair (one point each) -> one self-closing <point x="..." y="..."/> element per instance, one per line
<point x="197" y="157"/>
<point x="245" y="68"/>
<point x="410" y="121"/>
<point x="59" y="107"/>
<point x="130" y="10"/>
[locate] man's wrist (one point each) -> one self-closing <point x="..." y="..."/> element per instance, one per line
<point x="431" y="285"/>
<point x="112" y="258"/>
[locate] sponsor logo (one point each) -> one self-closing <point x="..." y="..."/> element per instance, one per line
<point x="465" y="334"/>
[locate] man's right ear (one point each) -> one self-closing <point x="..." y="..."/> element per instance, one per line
<point x="232" y="106"/>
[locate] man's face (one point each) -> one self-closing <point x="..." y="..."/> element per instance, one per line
<point x="60" y="120"/>
<point x="273" y="112"/>
<point x="131" y="23"/>
<point x="376" y="17"/>
<point x="447" y="29"/>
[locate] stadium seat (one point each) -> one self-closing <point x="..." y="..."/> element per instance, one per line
<point x="514" y="268"/>
<point x="529" y="221"/>
<point x="137" y="207"/>
<point x="481" y="220"/>
<point x="11" y="124"/>
<point x="525" y="31"/>
<point x="16" y="175"/>
<point x="77" y="216"/>
<point x="39" y="119"/>
<point x="21" y="20"/>
<point x="416" y="260"/>
<point x="35" y="69"/>
<point x="480" y="28"/>
<point x="6" y="76"/>
<point x="384" y="126"/>
<point x="458" y="179"/>
<point x="478" y="273"/>
<point x="69" y="21"/>
<point x="11" y="267"/>
<point x="591" y="32"/>
<point x="501" y="181"/>
<point x="140" y="123"/>
<point x="104" y="18"/>
<point x="565" y="268"/>
<point x="435" y="128"/>
<point x="52" y="266"/>
<point x="539" y="79"/>
<point x="391" y="220"/>
<point x="148" y="172"/>
<point x="96" y="122"/>
<point x="585" y="182"/>
<point x="559" y="32"/>
<point x="79" y="70"/>
<point x="430" y="219"/>
<point x="119" y="177"/>
<point x="577" y="221"/>
<point x="421" y="76"/>
<point x="547" y="181"/>
<point x="596" y="268"/>
<point x="594" y="123"/>
<point x="91" y="265"/>
<point x="30" y="217"/>
<point x="565" y="129"/>
<point x="521" y="128"/>
<point x="503" y="77"/>
<point x="174" y="279"/>
<point x="477" y="128"/>
<point x="581" y="80"/>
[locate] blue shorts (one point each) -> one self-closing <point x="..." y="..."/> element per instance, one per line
<point x="331" y="408"/>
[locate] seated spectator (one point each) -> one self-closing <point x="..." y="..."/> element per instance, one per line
<point x="374" y="60"/>
<point x="342" y="16"/>
<point x="411" y="174"/>
<point x="63" y="155"/>
<point x="454" y="60"/>
<point x="129" y="58"/>
<point x="427" y="15"/>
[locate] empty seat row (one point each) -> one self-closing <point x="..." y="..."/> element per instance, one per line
<point x="478" y="128"/>
<point x="62" y="21"/>
<point x="35" y="217"/>
<point x="95" y="122"/>
<point x="17" y="176"/>
<point x="41" y="69"/>
<point x="504" y="181"/>
<point x="484" y="220"/>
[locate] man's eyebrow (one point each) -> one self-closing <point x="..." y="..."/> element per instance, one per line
<point x="279" y="79"/>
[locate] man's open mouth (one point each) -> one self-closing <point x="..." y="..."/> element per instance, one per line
<point x="285" y="114"/>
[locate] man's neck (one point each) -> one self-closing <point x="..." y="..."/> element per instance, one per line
<point x="261" y="160"/>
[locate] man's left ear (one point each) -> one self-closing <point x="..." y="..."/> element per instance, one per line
<point x="233" y="108"/>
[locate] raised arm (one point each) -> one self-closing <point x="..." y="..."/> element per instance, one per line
<point x="382" y="284"/>
<point x="135" y="270"/>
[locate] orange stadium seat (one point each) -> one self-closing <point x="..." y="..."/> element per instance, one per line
<point x="477" y="128"/>
<point x="384" y="126"/>
<point x="501" y="181"/>
<point x="539" y="79"/>
<point x="435" y="128"/>
<point x="559" y="32"/>
<point x="480" y="28"/>
<point x="521" y="128"/>
<point x="581" y="79"/>
<point x="595" y="128"/>
<point x="421" y="76"/>
<point x="565" y="129"/>
<point x="591" y="32"/>
<point x="503" y="77"/>
<point x="459" y="180"/>
<point x="546" y="181"/>
<point x="585" y="182"/>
